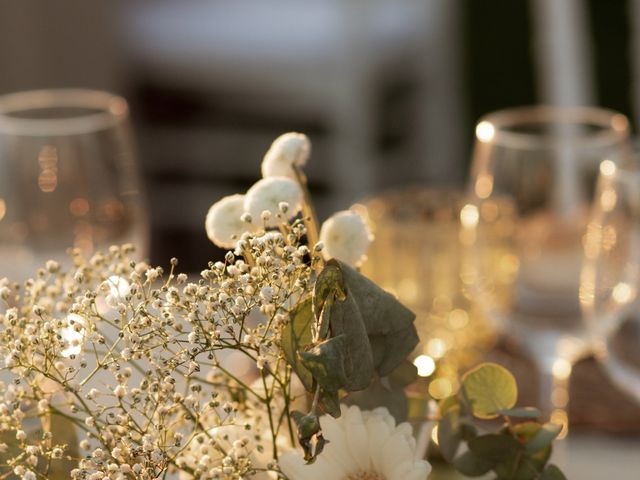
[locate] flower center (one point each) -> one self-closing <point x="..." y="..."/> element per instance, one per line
<point x="364" y="475"/>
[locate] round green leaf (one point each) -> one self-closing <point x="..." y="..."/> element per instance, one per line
<point x="489" y="388"/>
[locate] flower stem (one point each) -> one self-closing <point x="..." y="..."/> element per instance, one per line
<point x="309" y="215"/>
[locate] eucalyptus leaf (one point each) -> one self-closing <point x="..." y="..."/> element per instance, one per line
<point x="490" y="389"/>
<point x="308" y="429"/>
<point x="329" y="285"/>
<point x="380" y="329"/>
<point x="496" y="448"/>
<point x="525" y="432"/>
<point x="404" y="375"/>
<point x="521" y="412"/>
<point x="296" y="336"/>
<point x="325" y="361"/>
<point x="380" y="395"/>
<point x="543" y="438"/>
<point x="330" y="403"/>
<point x="552" y="473"/>
<point x="471" y="465"/>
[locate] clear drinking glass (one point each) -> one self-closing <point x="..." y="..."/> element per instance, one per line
<point x="544" y="161"/>
<point x="611" y="274"/>
<point x="418" y="254"/>
<point x="68" y="178"/>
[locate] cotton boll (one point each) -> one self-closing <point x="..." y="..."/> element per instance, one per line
<point x="345" y="236"/>
<point x="267" y="195"/>
<point x="224" y="222"/>
<point x="286" y="150"/>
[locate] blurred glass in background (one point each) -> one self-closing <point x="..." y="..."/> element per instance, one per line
<point x="68" y="178"/>
<point x="420" y="254"/>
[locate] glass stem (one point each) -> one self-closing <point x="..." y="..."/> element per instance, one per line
<point x="554" y="393"/>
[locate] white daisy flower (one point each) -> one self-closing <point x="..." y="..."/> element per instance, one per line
<point x="224" y="223"/>
<point x="346" y="237"/>
<point x="267" y="194"/>
<point x="362" y="445"/>
<point x="286" y="150"/>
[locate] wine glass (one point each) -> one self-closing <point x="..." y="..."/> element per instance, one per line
<point x="544" y="161"/>
<point x="68" y="178"/>
<point x="611" y="274"/>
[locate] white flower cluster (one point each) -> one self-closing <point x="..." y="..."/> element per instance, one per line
<point x="279" y="197"/>
<point x="134" y="358"/>
<point x="274" y="199"/>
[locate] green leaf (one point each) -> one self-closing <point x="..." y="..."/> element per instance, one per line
<point x="552" y="473"/>
<point x="325" y="361"/>
<point x="470" y="465"/>
<point x="308" y="428"/>
<point x="404" y="375"/>
<point x="380" y="395"/>
<point x="543" y="438"/>
<point x="525" y="432"/>
<point x="521" y="412"/>
<point x="449" y="435"/>
<point x="296" y="336"/>
<point x="329" y="285"/>
<point x="380" y="329"/>
<point x="495" y="447"/>
<point x="490" y="388"/>
<point x="330" y="403"/>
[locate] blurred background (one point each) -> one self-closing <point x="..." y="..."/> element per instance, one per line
<point x="388" y="91"/>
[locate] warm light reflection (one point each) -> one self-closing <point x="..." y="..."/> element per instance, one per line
<point x="425" y="365"/>
<point x="3" y="208"/>
<point x="434" y="435"/>
<point x="560" y="417"/>
<point x="469" y="216"/>
<point x="607" y="167"/>
<point x="118" y="287"/>
<point x="441" y="388"/>
<point x="436" y="347"/>
<point x="485" y="131"/>
<point x="619" y="123"/>
<point x="73" y="335"/>
<point x="561" y="369"/>
<point x="79" y="207"/>
<point x="484" y="185"/>
<point x="458" y="318"/>
<point x="622" y="292"/>
<point x="608" y="199"/>
<point x="48" y="161"/>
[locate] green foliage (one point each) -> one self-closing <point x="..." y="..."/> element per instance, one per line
<point x="491" y="389"/>
<point x="296" y="336"/>
<point x="349" y="336"/>
<point x="387" y="392"/>
<point x="516" y="451"/>
<point x="309" y="435"/>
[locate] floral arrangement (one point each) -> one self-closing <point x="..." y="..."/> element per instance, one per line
<point x="145" y="364"/>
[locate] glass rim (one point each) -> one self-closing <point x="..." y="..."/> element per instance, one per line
<point x="109" y="110"/>
<point x="494" y="128"/>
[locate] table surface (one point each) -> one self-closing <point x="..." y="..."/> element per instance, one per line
<point x="586" y="457"/>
